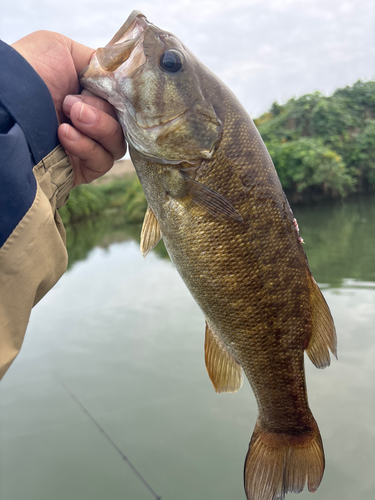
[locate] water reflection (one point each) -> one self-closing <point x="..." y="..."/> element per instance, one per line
<point x="339" y="239"/>
<point x="101" y="232"/>
<point x="126" y="337"/>
<point x="82" y="237"/>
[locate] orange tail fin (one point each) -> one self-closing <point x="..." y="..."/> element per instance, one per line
<point x="279" y="463"/>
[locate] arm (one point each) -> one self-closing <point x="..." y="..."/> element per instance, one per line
<point x="41" y="158"/>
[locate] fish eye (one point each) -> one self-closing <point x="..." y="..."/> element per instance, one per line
<point x="171" y="61"/>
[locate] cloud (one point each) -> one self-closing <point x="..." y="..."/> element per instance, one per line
<point x="265" y="50"/>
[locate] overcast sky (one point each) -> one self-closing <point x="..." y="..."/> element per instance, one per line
<point x="264" y="50"/>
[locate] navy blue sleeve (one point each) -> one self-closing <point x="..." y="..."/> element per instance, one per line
<point x="28" y="132"/>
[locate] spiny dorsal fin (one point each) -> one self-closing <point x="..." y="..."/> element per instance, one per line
<point x="323" y="330"/>
<point x="224" y="372"/>
<point x="150" y="235"/>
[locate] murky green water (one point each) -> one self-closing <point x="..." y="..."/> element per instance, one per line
<point x="122" y="336"/>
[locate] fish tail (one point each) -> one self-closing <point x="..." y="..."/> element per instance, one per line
<point x="280" y="463"/>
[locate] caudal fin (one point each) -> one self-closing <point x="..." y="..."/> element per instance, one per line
<point x="280" y="463"/>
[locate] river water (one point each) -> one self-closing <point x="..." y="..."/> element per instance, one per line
<point x="109" y="398"/>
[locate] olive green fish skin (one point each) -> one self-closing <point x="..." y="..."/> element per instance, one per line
<point x="249" y="278"/>
<point x="228" y="228"/>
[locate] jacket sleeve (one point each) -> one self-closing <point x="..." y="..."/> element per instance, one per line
<point x="35" y="180"/>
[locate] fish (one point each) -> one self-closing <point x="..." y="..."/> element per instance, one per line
<point x="215" y="199"/>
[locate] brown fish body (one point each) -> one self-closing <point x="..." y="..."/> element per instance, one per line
<point x="228" y="228"/>
<point x="249" y="278"/>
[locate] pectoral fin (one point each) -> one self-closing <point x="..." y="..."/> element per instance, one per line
<point x="209" y="200"/>
<point x="323" y="333"/>
<point x="150" y="235"/>
<point x="224" y="372"/>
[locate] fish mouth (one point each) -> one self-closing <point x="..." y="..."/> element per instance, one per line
<point x="125" y="50"/>
<point x="135" y="24"/>
<point x="126" y="44"/>
<point x="125" y="53"/>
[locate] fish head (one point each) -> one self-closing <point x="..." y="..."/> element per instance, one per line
<point x="155" y="84"/>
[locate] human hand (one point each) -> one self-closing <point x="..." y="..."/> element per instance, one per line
<point x="94" y="139"/>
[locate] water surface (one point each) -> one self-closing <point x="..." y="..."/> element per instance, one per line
<point x="122" y="335"/>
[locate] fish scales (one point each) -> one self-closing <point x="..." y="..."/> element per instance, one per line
<point x="215" y="198"/>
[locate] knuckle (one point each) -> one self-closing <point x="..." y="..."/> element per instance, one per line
<point x="92" y="149"/>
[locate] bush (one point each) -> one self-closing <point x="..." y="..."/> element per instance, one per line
<point x="324" y="144"/>
<point x="123" y="195"/>
<point x="307" y="165"/>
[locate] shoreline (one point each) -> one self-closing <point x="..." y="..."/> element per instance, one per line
<point x="120" y="169"/>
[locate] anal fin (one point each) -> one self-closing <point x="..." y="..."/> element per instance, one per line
<point x="225" y="373"/>
<point x="323" y="330"/>
<point x="150" y="235"/>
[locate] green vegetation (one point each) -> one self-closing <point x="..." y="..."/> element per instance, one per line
<point x="98" y="215"/>
<point x="123" y="196"/>
<point x="99" y="231"/>
<point x="323" y="147"/>
<point x="339" y="237"/>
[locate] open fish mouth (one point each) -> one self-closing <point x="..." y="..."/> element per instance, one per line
<point x="135" y="24"/>
<point x="121" y="57"/>
<point x="124" y="44"/>
<point x="124" y="51"/>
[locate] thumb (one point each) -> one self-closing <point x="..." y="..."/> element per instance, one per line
<point x="81" y="55"/>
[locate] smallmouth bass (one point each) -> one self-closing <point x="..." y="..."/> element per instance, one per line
<point x="215" y="198"/>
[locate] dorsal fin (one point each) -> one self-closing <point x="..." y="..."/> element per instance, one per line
<point x="323" y="330"/>
<point x="225" y="373"/>
<point x="151" y="234"/>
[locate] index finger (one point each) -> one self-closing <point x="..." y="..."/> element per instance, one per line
<point x="97" y="102"/>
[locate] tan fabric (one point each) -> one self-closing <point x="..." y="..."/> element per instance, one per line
<point x="34" y="257"/>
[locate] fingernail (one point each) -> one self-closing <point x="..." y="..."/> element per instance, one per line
<point x="69" y="101"/>
<point x="72" y="134"/>
<point x="87" y="115"/>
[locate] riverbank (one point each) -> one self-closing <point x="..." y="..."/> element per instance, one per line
<point x="322" y="148"/>
<point x="119" y="191"/>
<point x="120" y="169"/>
